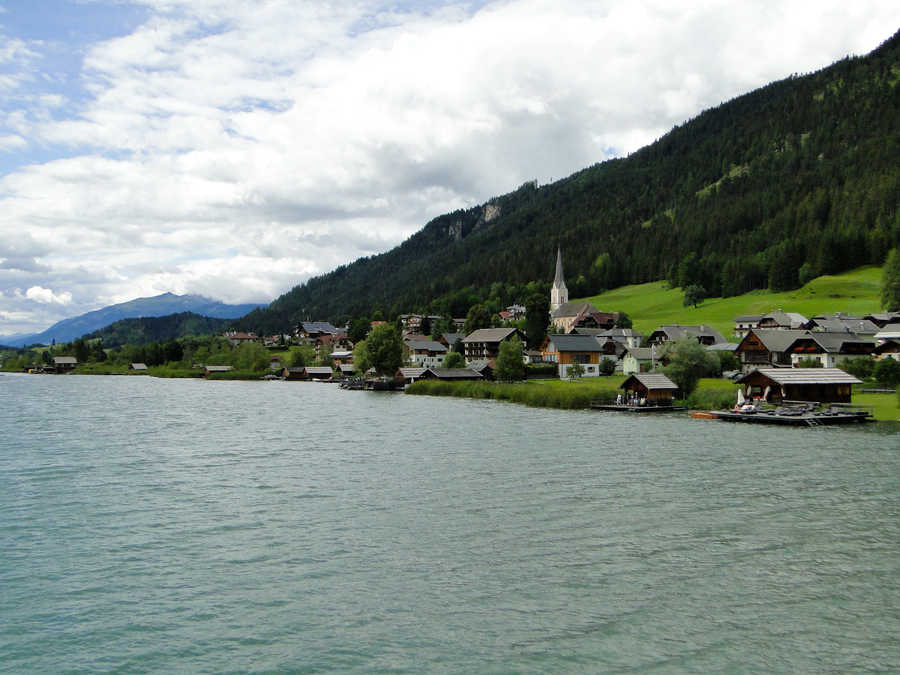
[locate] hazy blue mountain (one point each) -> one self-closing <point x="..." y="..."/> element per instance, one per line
<point x="160" y="305"/>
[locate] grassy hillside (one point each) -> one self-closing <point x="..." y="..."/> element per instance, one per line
<point x="651" y="305"/>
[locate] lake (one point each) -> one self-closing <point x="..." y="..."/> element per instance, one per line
<point x="153" y="525"/>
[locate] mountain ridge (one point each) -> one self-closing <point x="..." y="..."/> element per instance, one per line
<point x="780" y="185"/>
<point x="155" y="306"/>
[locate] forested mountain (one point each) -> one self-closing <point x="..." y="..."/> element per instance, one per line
<point x="159" y="305"/>
<point x="144" y="330"/>
<point x="794" y="180"/>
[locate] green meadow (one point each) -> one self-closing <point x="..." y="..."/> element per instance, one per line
<point x="655" y="304"/>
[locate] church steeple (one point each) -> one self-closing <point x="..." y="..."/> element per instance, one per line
<point x="559" y="294"/>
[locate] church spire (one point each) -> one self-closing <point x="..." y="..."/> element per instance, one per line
<point x="558" y="280"/>
<point x="559" y="294"/>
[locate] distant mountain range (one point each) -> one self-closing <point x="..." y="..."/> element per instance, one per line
<point x="160" y="305"/>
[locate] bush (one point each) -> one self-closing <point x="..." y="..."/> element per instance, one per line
<point x="861" y="367"/>
<point x="809" y="362"/>
<point x="607" y="366"/>
<point x="887" y="372"/>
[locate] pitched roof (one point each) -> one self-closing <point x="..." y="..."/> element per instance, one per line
<point x="651" y="381"/>
<point x="65" y="360"/>
<point x="425" y="345"/>
<point x="834" y="343"/>
<point x="489" y="335"/>
<point x="412" y="372"/>
<point x="574" y="342"/>
<point x="451" y="338"/>
<point x="678" y="332"/>
<point x="776" y="339"/>
<point x="573" y="309"/>
<point x="792" y="319"/>
<point x="640" y="353"/>
<point x="804" y="376"/>
<point x="318" y="370"/>
<point x="318" y="327"/>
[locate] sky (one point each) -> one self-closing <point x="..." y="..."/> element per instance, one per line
<point x="235" y="149"/>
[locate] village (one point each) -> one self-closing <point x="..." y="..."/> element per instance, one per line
<point x="779" y="356"/>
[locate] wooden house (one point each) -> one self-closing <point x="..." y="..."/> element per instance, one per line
<point x="211" y="370"/>
<point x="652" y="388"/>
<point x="763" y="348"/>
<point x="567" y="350"/>
<point x="484" y="344"/>
<point x="318" y="372"/>
<point x="823" y="385"/>
<point x="138" y="366"/>
<point x="346" y="369"/>
<point x="298" y="373"/>
<point x="483" y="368"/>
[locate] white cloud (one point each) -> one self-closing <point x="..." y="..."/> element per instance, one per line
<point x="235" y="149"/>
<point x="46" y="297"/>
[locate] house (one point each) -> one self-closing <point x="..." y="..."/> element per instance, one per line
<point x="635" y="358"/>
<point x="887" y="349"/>
<point x="449" y="340"/>
<point x="484" y="344"/>
<point x="567" y="350"/>
<point x="346" y="369"/>
<point x="745" y="322"/>
<point x="483" y="368"/>
<point x="883" y="319"/>
<point x="236" y="338"/>
<point x="829" y="349"/>
<point x="823" y="385"/>
<point x="652" y="388"/>
<point x="328" y="343"/>
<point x="889" y="331"/>
<point x="763" y="348"/>
<point x="705" y="335"/>
<point x="782" y="320"/>
<point x="310" y="330"/>
<point x="296" y="373"/>
<point x="840" y="323"/>
<point x="318" y="372"/>
<point x="342" y="357"/>
<point x="426" y="353"/>
<point x="64" y="364"/>
<point x="565" y="317"/>
<point x="414" y="322"/>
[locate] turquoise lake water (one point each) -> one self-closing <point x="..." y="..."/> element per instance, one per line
<point x="153" y="525"/>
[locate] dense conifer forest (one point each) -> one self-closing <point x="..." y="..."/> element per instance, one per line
<point x="145" y="330"/>
<point x="794" y="180"/>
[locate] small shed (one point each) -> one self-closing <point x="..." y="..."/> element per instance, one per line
<point x="64" y="363"/>
<point x="318" y="372"/>
<point x="209" y="370"/>
<point x="138" y="366"/>
<point x="296" y="373"/>
<point x="410" y="374"/>
<point x="824" y="385"/>
<point x="655" y="388"/>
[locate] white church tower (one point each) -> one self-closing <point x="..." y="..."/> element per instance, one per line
<point x="559" y="294"/>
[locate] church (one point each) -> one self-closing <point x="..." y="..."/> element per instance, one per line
<point x="565" y="315"/>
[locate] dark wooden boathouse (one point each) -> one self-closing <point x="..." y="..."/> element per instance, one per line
<point x="825" y="385"/>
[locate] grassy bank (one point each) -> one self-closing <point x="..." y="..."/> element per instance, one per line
<point x="711" y="394"/>
<point x="566" y="394"/>
<point x="655" y="304"/>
